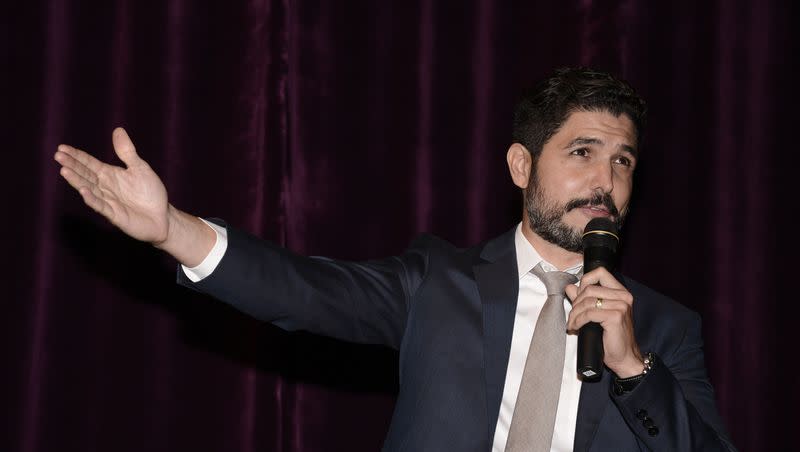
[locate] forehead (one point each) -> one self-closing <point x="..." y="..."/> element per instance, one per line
<point x="604" y="126"/>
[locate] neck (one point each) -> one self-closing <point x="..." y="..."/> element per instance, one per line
<point x="554" y="254"/>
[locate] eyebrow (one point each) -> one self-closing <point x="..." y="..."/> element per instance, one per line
<point x="582" y="141"/>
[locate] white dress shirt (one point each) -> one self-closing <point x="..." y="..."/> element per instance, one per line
<point x="531" y="298"/>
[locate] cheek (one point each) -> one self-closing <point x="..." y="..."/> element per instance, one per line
<point x="622" y="193"/>
<point x="575" y="186"/>
<point x="563" y="189"/>
<point x="565" y="184"/>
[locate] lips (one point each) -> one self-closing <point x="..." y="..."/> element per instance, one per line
<point x="595" y="211"/>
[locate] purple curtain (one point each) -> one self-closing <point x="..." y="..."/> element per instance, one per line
<point x="345" y="128"/>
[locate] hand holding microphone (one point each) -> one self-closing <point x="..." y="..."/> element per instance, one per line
<point x="602" y="309"/>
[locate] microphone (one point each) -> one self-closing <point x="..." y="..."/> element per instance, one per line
<point x="600" y="240"/>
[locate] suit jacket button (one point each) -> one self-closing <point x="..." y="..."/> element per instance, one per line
<point x="652" y="431"/>
<point x="647" y="422"/>
<point x="641" y="414"/>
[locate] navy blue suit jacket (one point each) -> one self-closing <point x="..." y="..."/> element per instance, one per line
<point x="450" y="313"/>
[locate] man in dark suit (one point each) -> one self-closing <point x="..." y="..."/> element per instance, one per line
<point x="465" y="321"/>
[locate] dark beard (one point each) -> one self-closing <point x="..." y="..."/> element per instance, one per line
<point x="546" y="218"/>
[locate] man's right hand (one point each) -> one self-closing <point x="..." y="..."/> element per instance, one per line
<point x="135" y="200"/>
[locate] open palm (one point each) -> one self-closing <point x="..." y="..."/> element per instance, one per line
<point x="134" y="199"/>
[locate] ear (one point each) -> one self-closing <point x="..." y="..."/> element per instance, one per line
<point x="519" y="164"/>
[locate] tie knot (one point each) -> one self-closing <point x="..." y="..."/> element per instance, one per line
<point x="554" y="282"/>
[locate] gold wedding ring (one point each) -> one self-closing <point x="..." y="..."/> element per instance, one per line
<point x="599" y="303"/>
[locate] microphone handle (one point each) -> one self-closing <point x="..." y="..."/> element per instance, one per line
<point x="590" y="337"/>
<point x="590" y="351"/>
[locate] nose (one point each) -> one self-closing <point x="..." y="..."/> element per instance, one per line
<point x="603" y="177"/>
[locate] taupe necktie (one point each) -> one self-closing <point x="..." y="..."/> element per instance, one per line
<point x="537" y="402"/>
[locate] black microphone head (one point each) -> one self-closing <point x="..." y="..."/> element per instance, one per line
<point x="600" y="240"/>
<point x="601" y="231"/>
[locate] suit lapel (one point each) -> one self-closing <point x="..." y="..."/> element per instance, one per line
<point x="498" y="284"/>
<point x="592" y="405"/>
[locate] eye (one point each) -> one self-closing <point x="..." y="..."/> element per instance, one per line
<point x="582" y="152"/>
<point x="625" y="161"/>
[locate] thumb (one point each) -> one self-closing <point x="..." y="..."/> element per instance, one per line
<point x="571" y="291"/>
<point x="124" y="148"/>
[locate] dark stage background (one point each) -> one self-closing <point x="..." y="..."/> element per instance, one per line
<point x="345" y="128"/>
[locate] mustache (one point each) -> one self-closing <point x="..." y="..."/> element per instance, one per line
<point x="598" y="199"/>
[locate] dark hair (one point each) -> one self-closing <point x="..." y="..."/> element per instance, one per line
<point x="544" y="109"/>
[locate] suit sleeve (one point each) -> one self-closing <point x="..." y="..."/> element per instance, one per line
<point x="364" y="302"/>
<point x="673" y="407"/>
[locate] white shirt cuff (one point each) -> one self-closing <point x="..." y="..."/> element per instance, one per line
<point x="211" y="261"/>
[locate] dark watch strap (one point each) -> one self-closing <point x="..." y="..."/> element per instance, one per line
<point x="626" y="385"/>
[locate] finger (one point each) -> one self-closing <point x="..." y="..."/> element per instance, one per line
<point x="96" y="202"/>
<point x="594" y="291"/>
<point x="600" y="276"/>
<point x="72" y="164"/>
<point x="84" y="158"/>
<point x="124" y="148"/>
<point x="612" y="311"/>
<point x="91" y="194"/>
<point x="74" y="179"/>
<point x="591" y="304"/>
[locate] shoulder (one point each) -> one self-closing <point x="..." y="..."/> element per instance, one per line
<point x="441" y="250"/>
<point x="655" y="309"/>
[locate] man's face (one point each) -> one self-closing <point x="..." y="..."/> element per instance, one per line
<point x="584" y="171"/>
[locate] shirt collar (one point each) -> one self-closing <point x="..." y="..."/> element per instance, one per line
<point x="528" y="257"/>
